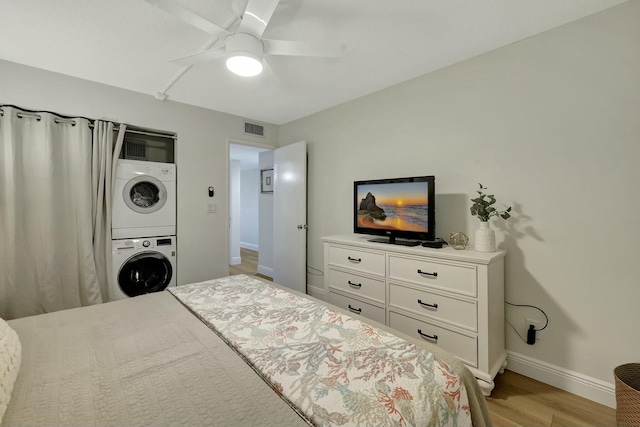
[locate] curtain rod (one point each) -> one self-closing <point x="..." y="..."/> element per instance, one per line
<point x="35" y="114"/>
<point x="32" y="114"/>
<point x="38" y="117"/>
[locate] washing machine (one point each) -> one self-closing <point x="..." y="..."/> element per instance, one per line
<point x="144" y="199"/>
<point x="142" y="266"/>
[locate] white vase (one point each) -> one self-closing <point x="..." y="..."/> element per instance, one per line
<point x="485" y="238"/>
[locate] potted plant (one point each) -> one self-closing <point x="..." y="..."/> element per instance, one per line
<point x="485" y="237"/>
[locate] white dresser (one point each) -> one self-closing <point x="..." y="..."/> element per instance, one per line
<point x="451" y="298"/>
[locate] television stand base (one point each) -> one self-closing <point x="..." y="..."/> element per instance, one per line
<point x="393" y="241"/>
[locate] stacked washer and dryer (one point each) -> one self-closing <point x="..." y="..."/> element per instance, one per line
<point x="143" y="228"/>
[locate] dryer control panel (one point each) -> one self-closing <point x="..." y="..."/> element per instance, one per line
<point x="164" y="242"/>
<point x="143" y="243"/>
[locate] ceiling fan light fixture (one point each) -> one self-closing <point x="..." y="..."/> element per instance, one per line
<point x="244" y="64"/>
<point x="244" y="54"/>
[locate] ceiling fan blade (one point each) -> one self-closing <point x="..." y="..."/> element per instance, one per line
<point x="216" y="52"/>
<point x="256" y="16"/>
<point x="189" y="17"/>
<point x="270" y="77"/>
<point x="295" y="48"/>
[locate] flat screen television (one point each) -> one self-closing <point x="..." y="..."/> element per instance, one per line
<point x="396" y="208"/>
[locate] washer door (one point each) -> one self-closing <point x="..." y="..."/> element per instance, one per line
<point x="144" y="273"/>
<point x="144" y="194"/>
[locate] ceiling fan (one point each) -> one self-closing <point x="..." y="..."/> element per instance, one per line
<point x="244" y="49"/>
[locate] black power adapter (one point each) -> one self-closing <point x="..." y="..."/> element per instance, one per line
<point x="531" y="330"/>
<point x="531" y="335"/>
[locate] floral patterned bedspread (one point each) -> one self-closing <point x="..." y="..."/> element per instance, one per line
<point x="330" y="367"/>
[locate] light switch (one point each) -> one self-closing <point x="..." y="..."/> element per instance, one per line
<point x="212" y="208"/>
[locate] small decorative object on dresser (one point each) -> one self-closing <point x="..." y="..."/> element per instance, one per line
<point x="485" y="237"/>
<point x="458" y="240"/>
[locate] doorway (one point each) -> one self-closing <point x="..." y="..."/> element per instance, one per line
<point x="250" y="211"/>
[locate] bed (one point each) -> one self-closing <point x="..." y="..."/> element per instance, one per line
<point x="235" y="351"/>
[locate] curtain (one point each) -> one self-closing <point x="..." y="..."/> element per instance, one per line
<point x="46" y="227"/>
<point x="105" y="155"/>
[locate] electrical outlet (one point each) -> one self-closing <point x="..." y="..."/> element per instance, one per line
<point x="532" y="327"/>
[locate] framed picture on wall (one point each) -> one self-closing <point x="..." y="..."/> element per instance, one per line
<point x="266" y="181"/>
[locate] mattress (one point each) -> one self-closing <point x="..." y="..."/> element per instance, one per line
<point x="150" y="360"/>
<point x="141" y="361"/>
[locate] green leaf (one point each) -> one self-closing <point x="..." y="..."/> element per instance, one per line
<point x="482" y="206"/>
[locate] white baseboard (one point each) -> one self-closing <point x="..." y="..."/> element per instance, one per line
<point x="251" y="246"/>
<point x="564" y="379"/>
<point x="235" y="260"/>
<point x="316" y="292"/>
<point x="265" y="271"/>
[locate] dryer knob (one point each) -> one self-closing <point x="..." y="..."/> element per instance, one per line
<point x="146" y="243"/>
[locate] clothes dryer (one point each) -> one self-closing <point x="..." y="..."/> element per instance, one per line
<point x="144" y="199"/>
<point x="141" y="266"/>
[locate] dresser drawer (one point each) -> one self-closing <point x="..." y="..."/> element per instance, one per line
<point x="370" y="262"/>
<point x="456" y="311"/>
<point x="357" y="285"/>
<point x="462" y="346"/>
<point x="458" y="278"/>
<point x="357" y="307"/>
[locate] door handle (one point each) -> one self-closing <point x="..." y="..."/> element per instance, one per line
<point x="302" y="226"/>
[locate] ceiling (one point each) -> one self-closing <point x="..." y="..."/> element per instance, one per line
<point x="128" y="44"/>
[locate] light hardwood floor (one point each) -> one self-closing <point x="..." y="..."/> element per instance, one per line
<point x="516" y="400"/>
<point x="521" y="401"/>
<point x="249" y="264"/>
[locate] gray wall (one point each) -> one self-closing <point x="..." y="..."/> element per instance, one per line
<point x="550" y="124"/>
<point x="249" y="213"/>
<point x="202" y="155"/>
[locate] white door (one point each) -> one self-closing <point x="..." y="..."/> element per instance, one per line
<point x="290" y="216"/>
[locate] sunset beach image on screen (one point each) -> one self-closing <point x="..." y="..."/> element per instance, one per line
<point x="394" y="206"/>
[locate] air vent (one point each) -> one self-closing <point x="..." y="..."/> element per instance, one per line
<point x="135" y="150"/>
<point x="253" y="129"/>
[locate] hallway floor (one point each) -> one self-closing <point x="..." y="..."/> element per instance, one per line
<point x="249" y="265"/>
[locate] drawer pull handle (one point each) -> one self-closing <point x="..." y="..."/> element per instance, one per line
<point x="354" y="259"/>
<point x="357" y="285"/>
<point x="429" y="337"/>
<point x="355" y="310"/>
<point x="426" y="273"/>
<point x="427" y="304"/>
